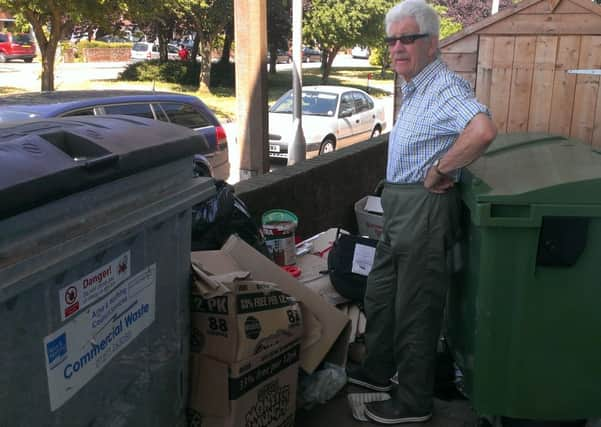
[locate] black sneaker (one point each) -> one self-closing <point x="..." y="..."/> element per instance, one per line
<point x="356" y="375"/>
<point x="388" y="412"/>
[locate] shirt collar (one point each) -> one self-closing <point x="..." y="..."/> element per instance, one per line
<point x="423" y="77"/>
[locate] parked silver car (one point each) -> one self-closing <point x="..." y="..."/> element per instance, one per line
<point x="333" y="117"/>
<point x="143" y="51"/>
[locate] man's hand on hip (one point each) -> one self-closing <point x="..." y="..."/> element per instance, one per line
<point x="436" y="182"/>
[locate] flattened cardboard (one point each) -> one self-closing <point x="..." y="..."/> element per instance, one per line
<point x="250" y="318"/>
<point x="257" y="391"/>
<point x="326" y="328"/>
<point x="314" y="275"/>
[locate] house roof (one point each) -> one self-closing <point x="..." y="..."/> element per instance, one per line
<point x="546" y="6"/>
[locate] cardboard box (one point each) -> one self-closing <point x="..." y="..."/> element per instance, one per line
<point x="326" y="329"/>
<point x="370" y="221"/>
<point x="312" y="276"/>
<point x="260" y="391"/>
<point x="244" y="320"/>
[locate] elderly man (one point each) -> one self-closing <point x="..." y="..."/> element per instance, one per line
<point x="441" y="128"/>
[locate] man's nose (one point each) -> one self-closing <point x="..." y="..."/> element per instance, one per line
<point x="398" y="46"/>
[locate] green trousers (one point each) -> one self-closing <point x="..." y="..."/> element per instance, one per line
<point x="406" y="290"/>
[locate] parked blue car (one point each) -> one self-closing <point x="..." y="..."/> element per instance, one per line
<point x="184" y="110"/>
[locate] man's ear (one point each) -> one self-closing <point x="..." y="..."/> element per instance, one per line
<point x="433" y="46"/>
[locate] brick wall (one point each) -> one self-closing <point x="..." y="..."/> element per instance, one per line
<point x="105" y="54"/>
<point x="321" y="191"/>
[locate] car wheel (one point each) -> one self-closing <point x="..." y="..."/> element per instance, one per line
<point x="201" y="169"/>
<point x="376" y="132"/>
<point x="28" y="60"/>
<point x="2" y="57"/>
<point x="327" y="146"/>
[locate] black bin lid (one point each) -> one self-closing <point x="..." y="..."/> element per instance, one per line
<point x="42" y="160"/>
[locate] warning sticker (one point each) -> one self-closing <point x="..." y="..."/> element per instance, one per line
<point x="80" y="349"/>
<point x="78" y="295"/>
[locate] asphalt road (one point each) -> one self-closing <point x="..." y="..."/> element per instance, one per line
<point x="24" y="76"/>
<point x="18" y="74"/>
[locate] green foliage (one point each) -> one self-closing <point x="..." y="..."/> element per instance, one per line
<point x="339" y="24"/>
<point x="279" y="25"/>
<point x="19" y="26"/>
<point x="448" y="26"/>
<point x="380" y="55"/>
<point x="223" y="74"/>
<point x="83" y="44"/>
<point x="185" y="73"/>
<point x="178" y="72"/>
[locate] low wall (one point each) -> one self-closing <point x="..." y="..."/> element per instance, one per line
<point x="321" y="191"/>
<point x="105" y="54"/>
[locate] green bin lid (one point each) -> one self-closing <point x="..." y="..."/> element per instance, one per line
<point x="535" y="168"/>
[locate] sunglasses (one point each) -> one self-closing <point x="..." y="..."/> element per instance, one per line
<point x="406" y="39"/>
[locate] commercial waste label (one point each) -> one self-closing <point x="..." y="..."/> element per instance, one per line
<point x="78" y="295"/>
<point x="80" y="349"/>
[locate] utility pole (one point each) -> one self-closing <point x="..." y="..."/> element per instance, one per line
<point x="297" y="148"/>
<point x="250" y="22"/>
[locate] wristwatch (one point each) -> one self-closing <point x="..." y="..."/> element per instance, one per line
<point x="435" y="164"/>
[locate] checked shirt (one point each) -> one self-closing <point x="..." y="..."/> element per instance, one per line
<point x="437" y="105"/>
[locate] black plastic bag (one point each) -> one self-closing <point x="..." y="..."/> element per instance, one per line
<point x="224" y="214"/>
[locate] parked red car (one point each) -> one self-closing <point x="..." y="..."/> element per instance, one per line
<point x="16" y="46"/>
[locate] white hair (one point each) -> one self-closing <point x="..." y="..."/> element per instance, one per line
<point x="426" y="17"/>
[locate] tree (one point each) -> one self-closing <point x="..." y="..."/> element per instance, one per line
<point x="209" y="19"/>
<point x="469" y="12"/>
<point x="228" y="39"/>
<point x="52" y="20"/>
<point x="161" y="17"/>
<point x="279" y="29"/>
<point x="338" y="24"/>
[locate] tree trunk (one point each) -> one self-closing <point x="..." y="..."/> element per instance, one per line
<point x="163" y="40"/>
<point x="48" y="45"/>
<point x="327" y="59"/>
<point x="227" y="43"/>
<point x="48" y="56"/>
<point x="205" y="64"/>
<point x="273" y="58"/>
<point x="195" y="46"/>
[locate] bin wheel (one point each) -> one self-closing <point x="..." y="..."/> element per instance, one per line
<point x="487" y="421"/>
<point x="194" y="418"/>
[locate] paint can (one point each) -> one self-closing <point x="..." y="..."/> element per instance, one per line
<point x="278" y="227"/>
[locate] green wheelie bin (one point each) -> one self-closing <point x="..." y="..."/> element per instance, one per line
<point x="523" y="315"/>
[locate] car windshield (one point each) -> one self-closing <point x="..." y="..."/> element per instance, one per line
<point x="8" y="115"/>
<point x="314" y="104"/>
<point x="140" y="47"/>
<point x="22" y="39"/>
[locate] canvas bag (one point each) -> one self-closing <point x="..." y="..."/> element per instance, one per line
<point x="350" y="252"/>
